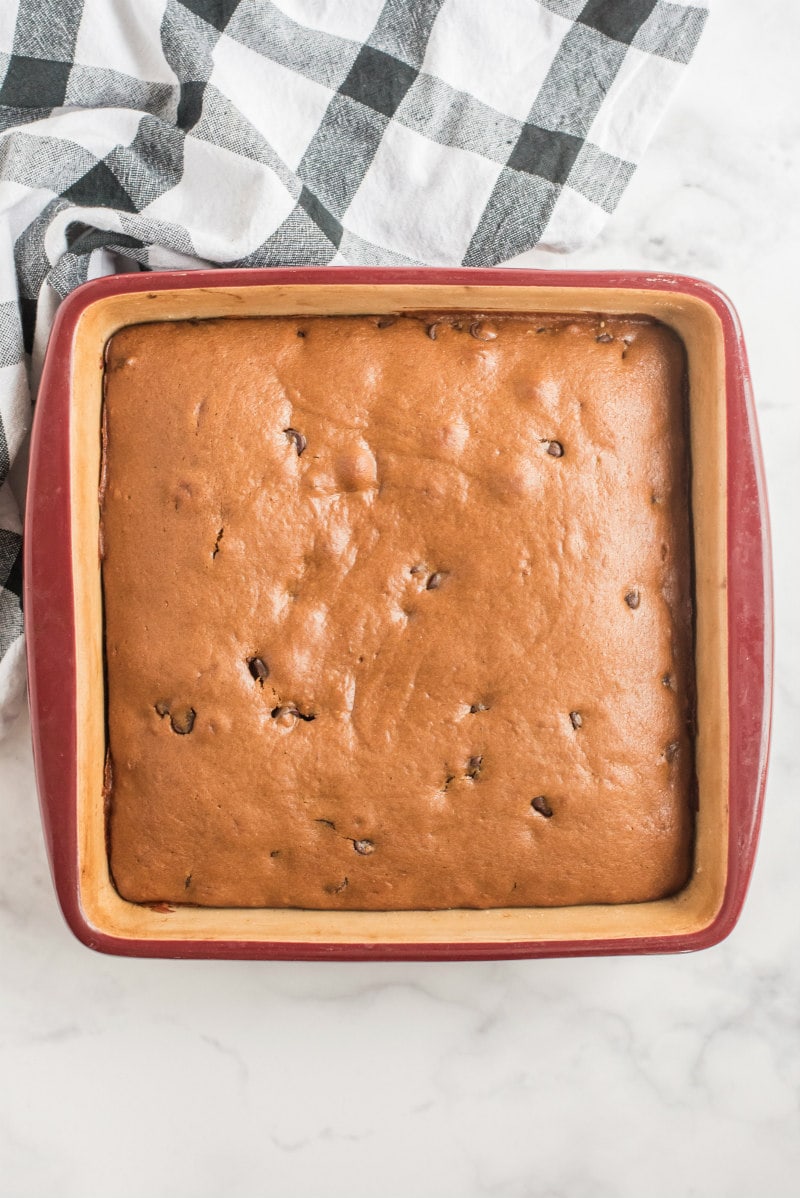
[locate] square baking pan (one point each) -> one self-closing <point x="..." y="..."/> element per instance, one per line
<point x="64" y="619"/>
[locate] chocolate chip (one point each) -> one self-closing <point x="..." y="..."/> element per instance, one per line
<point x="364" y="847"/>
<point x="290" y="709"/>
<point x="474" y="708"/>
<point x="435" y="580"/>
<point x="605" y="337"/>
<point x="667" y="681"/>
<point x="182" y="721"/>
<point x="480" y="332"/>
<point x="671" y="751"/>
<point x="301" y="333"/>
<point x="541" y="805"/>
<point x="162" y="708"/>
<point x="433" y="329"/>
<point x="576" y="719"/>
<point x="258" y="668"/>
<point x="297" y="439"/>
<point x="474" y="767"/>
<point x="632" y="599"/>
<point x="327" y="822"/>
<point x="187" y="881"/>
<point x="385" y="322"/>
<point x="275" y="853"/>
<point x="555" y="449"/>
<point x="419" y="569"/>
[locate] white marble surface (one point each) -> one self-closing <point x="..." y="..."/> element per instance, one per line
<point x="664" y="1077"/>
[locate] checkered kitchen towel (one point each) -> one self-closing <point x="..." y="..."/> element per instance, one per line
<point x="141" y="134"/>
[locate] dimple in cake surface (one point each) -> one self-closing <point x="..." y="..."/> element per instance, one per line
<point x="398" y="611"/>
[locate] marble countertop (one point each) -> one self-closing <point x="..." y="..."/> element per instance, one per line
<point x="616" y="1078"/>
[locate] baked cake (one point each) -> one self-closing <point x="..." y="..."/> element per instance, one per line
<point x="398" y="611"/>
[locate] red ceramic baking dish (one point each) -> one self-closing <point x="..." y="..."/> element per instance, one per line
<point x="64" y="620"/>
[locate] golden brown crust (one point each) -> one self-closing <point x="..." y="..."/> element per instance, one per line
<point x="398" y="612"/>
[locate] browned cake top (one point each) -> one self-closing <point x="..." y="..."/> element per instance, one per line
<point x="397" y="612"/>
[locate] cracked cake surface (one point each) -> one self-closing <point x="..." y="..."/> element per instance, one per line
<point x="397" y="611"/>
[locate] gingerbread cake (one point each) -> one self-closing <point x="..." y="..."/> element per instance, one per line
<point x="397" y="611"/>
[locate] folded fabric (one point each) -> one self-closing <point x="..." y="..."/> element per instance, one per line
<point x="149" y="134"/>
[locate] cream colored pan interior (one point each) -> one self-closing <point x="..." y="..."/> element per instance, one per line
<point x="691" y="910"/>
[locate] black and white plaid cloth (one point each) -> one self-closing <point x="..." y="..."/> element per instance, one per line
<point x="147" y="134"/>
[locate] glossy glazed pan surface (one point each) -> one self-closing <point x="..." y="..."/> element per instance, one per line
<point x="64" y="620"/>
